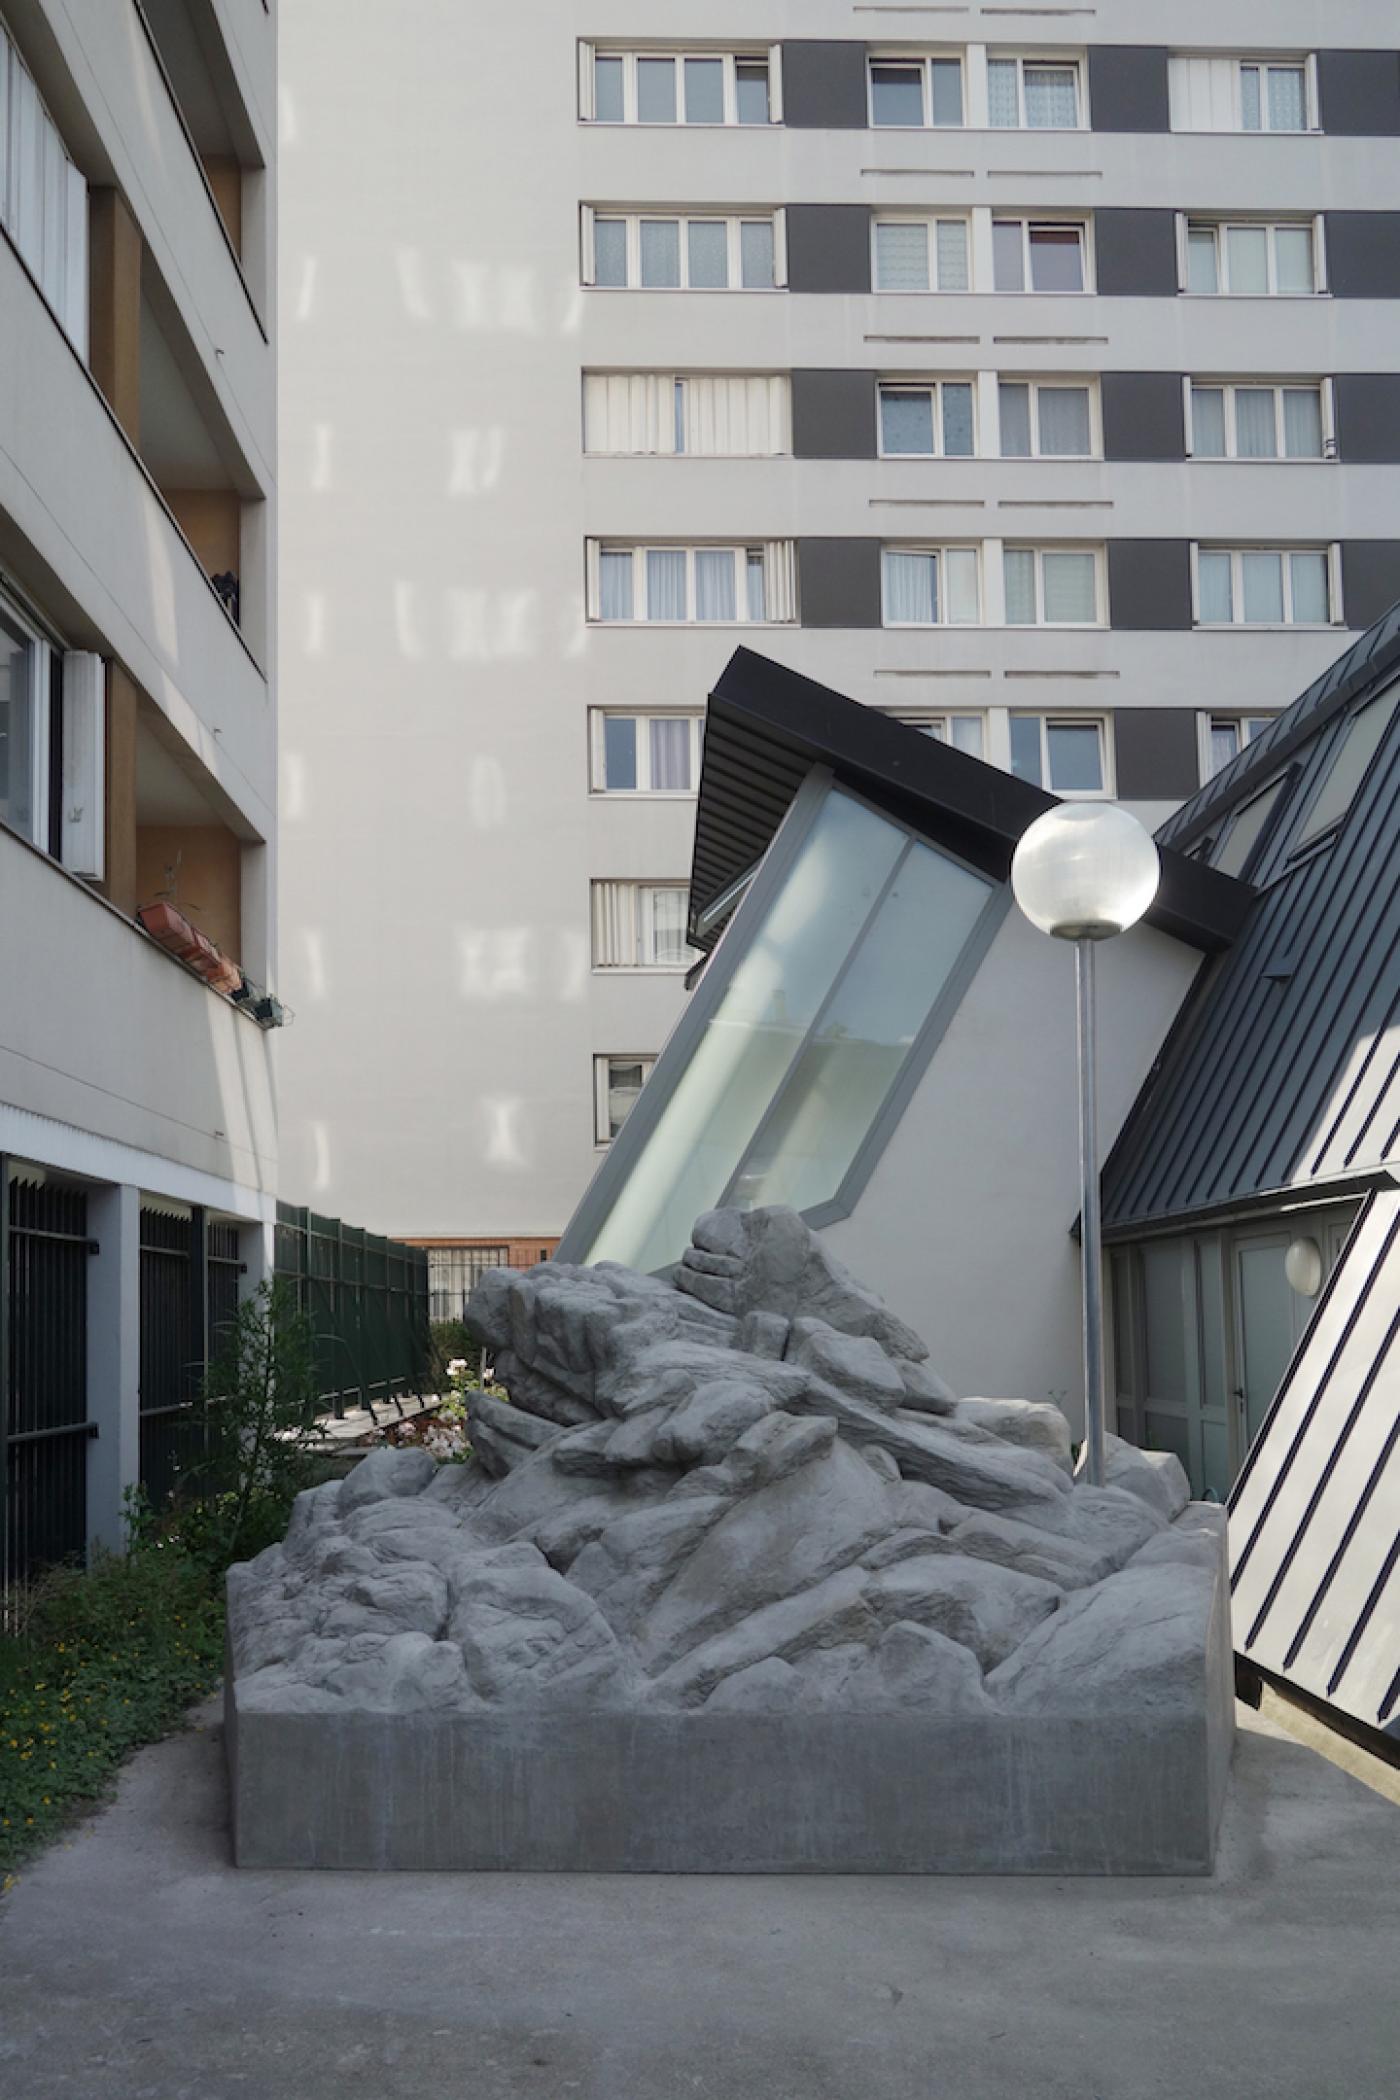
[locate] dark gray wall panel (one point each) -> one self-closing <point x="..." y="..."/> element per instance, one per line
<point x="828" y="247"/>
<point x="1155" y="757"/>
<point x="833" y="414"/>
<point x="1144" y="416"/>
<point x="1128" y="87"/>
<point x="1358" y="93"/>
<point x="824" y="86"/>
<point x="1149" y="583"/>
<point x="1370" y="579"/>
<point x="1135" y="253"/>
<point x="1363" y="254"/>
<point x="1368" y="415"/>
<point x="838" y="583"/>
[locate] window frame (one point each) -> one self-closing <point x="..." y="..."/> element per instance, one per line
<point x="632" y="219"/>
<point x="642" y="963"/>
<point x="936" y="724"/>
<point x="1236" y="551"/>
<point x="59" y="261"/>
<point x="44" y="659"/>
<point x="1187" y="224"/>
<point x="1328" y="456"/>
<point x="930" y="221"/>
<point x="1262" y="65"/>
<point x="1068" y="718"/>
<point x="1211" y="719"/>
<point x="1310" y="834"/>
<point x="900" y="384"/>
<point x="731" y="57"/>
<point x="1037" y="221"/>
<point x="1061" y="63"/>
<point x="743" y="551"/>
<point x="598" y="761"/>
<point x="603" y="1061"/>
<point x="1040" y="548"/>
<point x="925" y="62"/>
<point x="937" y="552"/>
<point x="1058" y="383"/>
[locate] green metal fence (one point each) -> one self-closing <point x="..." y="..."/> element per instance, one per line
<point x="367" y="1299"/>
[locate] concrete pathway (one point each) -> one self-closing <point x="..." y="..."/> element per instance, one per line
<point x="136" y="1964"/>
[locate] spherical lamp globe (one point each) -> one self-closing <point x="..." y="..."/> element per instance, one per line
<point x="1085" y="871"/>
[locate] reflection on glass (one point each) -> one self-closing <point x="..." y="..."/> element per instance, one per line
<point x="16" y="654"/>
<point x="607" y="90"/>
<point x="704" y="91"/>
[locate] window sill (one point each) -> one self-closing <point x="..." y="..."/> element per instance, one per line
<point x="1236" y="459"/>
<point x="695" y="291"/>
<point x="1182" y="293"/>
<point x="1267" y="627"/>
<point x="674" y="970"/>
<point x="705" y="626"/>
<point x="664" y="124"/>
<point x="643" y="794"/>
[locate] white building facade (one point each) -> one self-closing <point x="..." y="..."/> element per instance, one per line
<point x="1022" y="375"/>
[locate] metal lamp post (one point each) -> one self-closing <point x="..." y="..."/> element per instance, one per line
<point x="1083" y="872"/>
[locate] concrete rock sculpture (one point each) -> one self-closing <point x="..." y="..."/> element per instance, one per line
<point x="730" y="1537"/>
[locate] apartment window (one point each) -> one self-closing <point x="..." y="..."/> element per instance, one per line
<point x="1227" y="737"/>
<point x="932" y="420"/>
<point x="1264" y="587"/>
<point x="24" y="672"/>
<point x="738" y="415"/>
<point x="1033" y="94"/>
<point x="963" y="732"/>
<point x="1040" y="419"/>
<point x="1239" y="846"/>
<point x="929" y="586"/>
<point x="683" y="253"/>
<point x="640" y="926"/>
<point x="916" y="92"/>
<point x="645" y="754"/>
<point x="1361" y="740"/>
<point x="702" y="584"/>
<point x="1066" y="753"/>
<point x="1273" y="98"/>
<point x="1052" y="587"/>
<point x="1256" y="259"/>
<point x="1038" y="255"/>
<point x="43" y="197"/>
<point x="1260" y="422"/>
<point x="1216" y="93"/>
<point x="921" y="255"/>
<point x="678" y="87"/>
<point x="617" y="1081"/>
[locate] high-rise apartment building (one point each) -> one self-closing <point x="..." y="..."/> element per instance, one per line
<point x="137" y="736"/>
<point x="1021" y="373"/>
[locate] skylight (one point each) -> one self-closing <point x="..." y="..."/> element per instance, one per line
<point x="1360" y="742"/>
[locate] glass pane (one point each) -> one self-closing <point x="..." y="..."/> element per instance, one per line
<point x="714" y="583"/>
<point x="615" y="585"/>
<point x="1302" y="422"/>
<point x="1208" y="422"/>
<point x="1018" y="568"/>
<point x="1308" y="575"/>
<point x="896" y="95"/>
<point x="669" y="749"/>
<point x="1256" y="436"/>
<point x="911" y="588"/>
<point x="1076" y="757"/>
<point x="957" y="419"/>
<point x="756" y="254"/>
<point x="1293" y="258"/>
<point x="1287" y="100"/>
<point x="1247" y="258"/>
<point x="1068" y="582"/>
<point x="661" y="253"/>
<point x="1003" y="106"/>
<point x="1008" y="255"/>
<point x="666" y="583"/>
<point x="757" y="585"/>
<point x="1200" y="260"/>
<point x="704" y="91"/>
<point x="607" y="90"/>
<point x="966" y="734"/>
<point x="1052" y="98"/>
<point x="901" y="257"/>
<point x="952" y="255"/>
<point x="16" y="730"/>
<point x="664" y="921"/>
<point x="752" y="1037"/>
<point x="678" y="405"/>
<point x="1025" y="747"/>
<point x="707" y="254"/>
<point x="1015" y="401"/>
<point x="656" y="91"/>
<point x="1213" y="585"/>
<point x="625" y="1082"/>
<point x="960" y="606"/>
<point x="946" y="79"/>
<point x="610" y="251"/>
<point x="1064" y="420"/>
<point x="1249" y="98"/>
<point x="1261" y="586"/>
<point x="1224" y="744"/>
<point x="1246" y="831"/>
<point x="620" y="751"/>
<point x="845" y="1073"/>
<point x="906" y="420"/>
<point x="1360" y="742"/>
<point x="751" y="83"/>
<point x="1057" y="259"/>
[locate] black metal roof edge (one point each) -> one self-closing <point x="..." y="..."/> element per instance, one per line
<point x="962" y="802"/>
<point x="1291" y="1195"/>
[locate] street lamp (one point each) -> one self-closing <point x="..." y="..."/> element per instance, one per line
<point x="1083" y="872"/>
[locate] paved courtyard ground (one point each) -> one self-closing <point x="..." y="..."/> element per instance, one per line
<point x="136" y="1964"/>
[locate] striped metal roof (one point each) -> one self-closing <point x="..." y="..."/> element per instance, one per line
<point x="1315" y="1515"/>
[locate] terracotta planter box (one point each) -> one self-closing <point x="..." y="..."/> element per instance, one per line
<point x="175" y="934"/>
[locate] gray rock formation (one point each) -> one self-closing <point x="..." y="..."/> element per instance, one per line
<point x="744" y="1492"/>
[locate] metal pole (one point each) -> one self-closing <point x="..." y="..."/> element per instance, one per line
<point x="1091" y="1248"/>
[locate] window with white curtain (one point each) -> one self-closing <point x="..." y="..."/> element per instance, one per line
<point x="679" y="87"/>
<point x="1066" y="753"/>
<point x="930" y="587"/>
<point x="645" y="754"/>
<point x="1265" y="587"/>
<point x="916" y="92"/>
<point x="1242" y="420"/>
<point x="1275" y="258"/>
<point x="1218" y="93"/>
<point x="922" y="255"/>
<point x="1053" y="586"/>
<point x="43" y="196"/>
<point x="963" y="732"/>
<point x="641" y="926"/>
<point x="1039" y="255"/>
<point x="1226" y="737"/>
<point x="1033" y="94"/>
<point x="617" y="1081"/>
<point x="927" y="419"/>
<point x="713" y="585"/>
<point x="736" y="415"/>
<point x="1046" y="419"/>
<point x="683" y="251"/>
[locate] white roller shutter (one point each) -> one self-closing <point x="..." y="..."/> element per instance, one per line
<point x="585" y="81"/>
<point x="775" y="83"/>
<point x="82" y="846"/>
<point x="628" y="412"/>
<point x="779" y="579"/>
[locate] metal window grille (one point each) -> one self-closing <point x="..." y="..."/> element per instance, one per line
<point x="44" y="1249"/>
